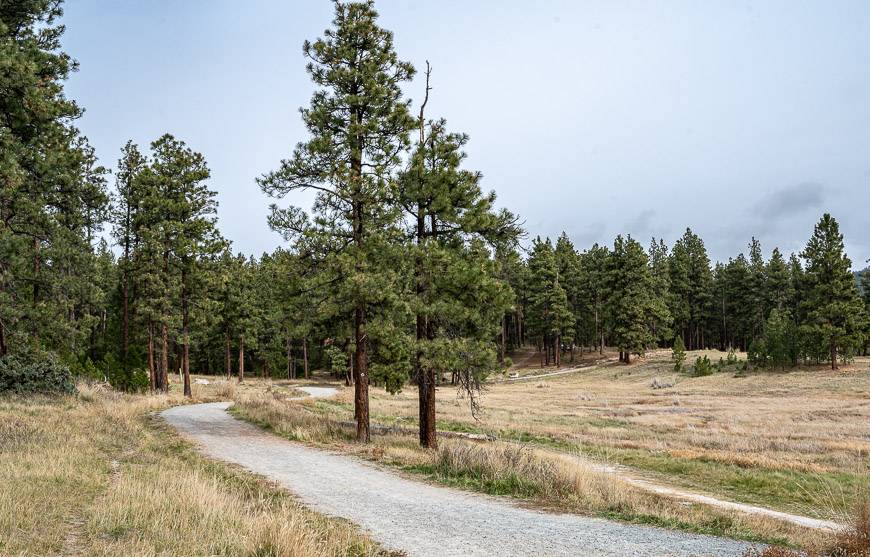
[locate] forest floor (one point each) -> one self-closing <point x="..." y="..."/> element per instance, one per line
<point x="98" y="474"/>
<point x="793" y="441"/>
<point x="419" y="518"/>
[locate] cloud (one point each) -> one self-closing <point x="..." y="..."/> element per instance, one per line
<point x="790" y="201"/>
<point x="642" y="225"/>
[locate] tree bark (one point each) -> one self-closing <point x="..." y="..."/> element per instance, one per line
<point x="289" y="358"/>
<point x="501" y="346"/>
<point x="834" y="364"/>
<point x="241" y="358"/>
<point x="228" y="356"/>
<point x="557" y="351"/>
<point x="360" y="375"/>
<point x="152" y="373"/>
<point x="125" y="318"/>
<point x="164" y="358"/>
<point x="185" y="335"/>
<point x="305" y="356"/>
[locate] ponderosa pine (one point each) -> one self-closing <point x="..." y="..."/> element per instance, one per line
<point x="358" y="124"/>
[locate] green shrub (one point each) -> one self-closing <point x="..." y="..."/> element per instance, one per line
<point x="131" y="380"/>
<point x="679" y="354"/>
<point x="702" y="367"/>
<point x="31" y="371"/>
<point x="732" y="357"/>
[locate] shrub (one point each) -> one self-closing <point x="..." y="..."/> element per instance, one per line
<point x="679" y="353"/>
<point x="131" y="380"/>
<point x="757" y="353"/>
<point x="31" y="371"/>
<point x="732" y="357"/>
<point x="702" y="367"/>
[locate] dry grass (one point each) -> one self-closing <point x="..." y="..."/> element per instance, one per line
<point x="795" y="441"/>
<point x="97" y="475"/>
<point x="547" y="480"/>
<point x="851" y="542"/>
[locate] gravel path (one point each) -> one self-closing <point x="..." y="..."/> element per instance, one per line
<point x="422" y="519"/>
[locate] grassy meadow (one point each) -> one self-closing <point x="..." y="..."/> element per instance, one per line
<point x="794" y="441"/>
<point x="99" y="474"/>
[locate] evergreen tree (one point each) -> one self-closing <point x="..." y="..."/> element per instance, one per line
<point x="125" y="216"/>
<point x="447" y="212"/>
<point x="568" y="262"/>
<point x="593" y="277"/>
<point x="549" y="317"/>
<point x="53" y="195"/>
<point x="778" y="287"/>
<point x="691" y="289"/>
<point x="832" y="305"/>
<point x="660" y="321"/>
<point x="758" y="293"/>
<point x="358" y="124"/>
<point x="629" y="297"/>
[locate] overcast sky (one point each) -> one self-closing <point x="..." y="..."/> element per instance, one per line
<point x="732" y="118"/>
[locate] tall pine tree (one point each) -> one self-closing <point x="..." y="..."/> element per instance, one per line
<point x="359" y="125"/>
<point x="832" y="305"/>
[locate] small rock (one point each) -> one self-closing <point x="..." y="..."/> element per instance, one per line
<point x="201" y="381"/>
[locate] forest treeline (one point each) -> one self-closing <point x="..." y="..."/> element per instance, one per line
<point x="403" y="270"/>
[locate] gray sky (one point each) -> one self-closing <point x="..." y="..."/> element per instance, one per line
<point x="733" y="118"/>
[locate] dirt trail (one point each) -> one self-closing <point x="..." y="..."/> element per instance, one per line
<point x="419" y="518"/>
<point x="628" y="476"/>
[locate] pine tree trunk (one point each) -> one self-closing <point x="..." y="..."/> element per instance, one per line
<point x="241" y="358"/>
<point x="428" y="434"/>
<point x="557" y="351"/>
<point x="228" y="355"/>
<point x="361" y="378"/>
<point x="501" y="346"/>
<point x="305" y="355"/>
<point x="834" y="364"/>
<point x="152" y="373"/>
<point x="185" y="335"/>
<point x="125" y="321"/>
<point x="348" y="378"/>
<point x="164" y="358"/>
<point x="289" y="358"/>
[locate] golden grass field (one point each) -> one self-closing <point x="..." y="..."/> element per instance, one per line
<point x="98" y="475"/>
<point x="796" y="441"/>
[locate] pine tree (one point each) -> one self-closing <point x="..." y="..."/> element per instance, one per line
<point x="447" y="211"/>
<point x="549" y="317"/>
<point x="757" y="289"/>
<point x="570" y="277"/>
<point x="777" y="283"/>
<point x="660" y="321"/>
<point x="593" y="277"/>
<point x="832" y="305"/>
<point x="358" y="124"/>
<point x="53" y="195"/>
<point x="125" y="216"/>
<point x="629" y="285"/>
<point x="691" y="288"/>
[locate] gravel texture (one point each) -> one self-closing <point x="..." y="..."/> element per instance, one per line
<point x="418" y="518"/>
